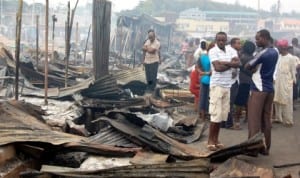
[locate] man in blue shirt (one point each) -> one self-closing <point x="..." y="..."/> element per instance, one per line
<point x="262" y="91"/>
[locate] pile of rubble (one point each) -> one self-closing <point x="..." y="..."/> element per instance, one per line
<point x="109" y="127"/>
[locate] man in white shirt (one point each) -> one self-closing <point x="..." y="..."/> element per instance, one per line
<point x="223" y="59"/>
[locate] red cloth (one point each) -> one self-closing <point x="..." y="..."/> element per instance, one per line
<point x="283" y="43"/>
<point x="194" y="85"/>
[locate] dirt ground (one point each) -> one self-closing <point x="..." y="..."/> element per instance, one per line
<point x="285" y="147"/>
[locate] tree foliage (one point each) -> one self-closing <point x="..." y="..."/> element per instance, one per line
<point x="156" y="7"/>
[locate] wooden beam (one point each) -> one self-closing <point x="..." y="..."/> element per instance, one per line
<point x="37" y="42"/>
<point x="46" y="51"/>
<point x="101" y="36"/>
<point x="86" y="44"/>
<point x="17" y="52"/>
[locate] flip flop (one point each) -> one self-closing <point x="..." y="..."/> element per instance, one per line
<point x="220" y="145"/>
<point x="212" y="147"/>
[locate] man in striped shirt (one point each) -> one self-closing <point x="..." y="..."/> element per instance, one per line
<point x="223" y="60"/>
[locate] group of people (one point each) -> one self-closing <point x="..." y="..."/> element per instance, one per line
<point x="258" y="77"/>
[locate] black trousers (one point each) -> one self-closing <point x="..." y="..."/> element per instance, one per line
<point x="151" y="75"/>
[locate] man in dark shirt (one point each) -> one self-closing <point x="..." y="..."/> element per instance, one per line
<point x="262" y="91"/>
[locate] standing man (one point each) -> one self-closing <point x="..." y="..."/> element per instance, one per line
<point x="296" y="52"/>
<point x="285" y="78"/>
<point x="235" y="44"/>
<point x="223" y="59"/>
<point x="244" y="82"/>
<point x="262" y="91"/>
<point x="151" y="61"/>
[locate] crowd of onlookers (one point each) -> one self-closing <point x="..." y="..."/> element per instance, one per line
<point x="234" y="78"/>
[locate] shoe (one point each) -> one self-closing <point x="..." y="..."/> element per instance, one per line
<point x="212" y="147"/>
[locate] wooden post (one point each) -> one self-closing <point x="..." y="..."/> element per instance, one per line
<point x="101" y="36"/>
<point x="17" y="52"/>
<point x="68" y="38"/>
<point x="86" y="44"/>
<point x="37" y="42"/>
<point x="67" y="50"/>
<point x="46" y="51"/>
<point x="76" y="41"/>
<point x="54" y="19"/>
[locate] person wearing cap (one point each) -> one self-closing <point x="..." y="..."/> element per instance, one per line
<point x="262" y="90"/>
<point x="285" y="77"/>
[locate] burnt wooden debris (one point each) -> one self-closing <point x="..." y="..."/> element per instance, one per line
<point x="253" y="145"/>
<point x="113" y="118"/>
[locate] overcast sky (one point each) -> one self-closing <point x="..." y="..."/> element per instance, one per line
<point x="286" y="5"/>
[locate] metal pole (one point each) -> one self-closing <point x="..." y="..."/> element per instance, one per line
<point x="46" y="51"/>
<point x="17" y="52"/>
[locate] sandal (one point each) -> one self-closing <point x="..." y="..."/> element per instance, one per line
<point x="212" y="147"/>
<point x="220" y="145"/>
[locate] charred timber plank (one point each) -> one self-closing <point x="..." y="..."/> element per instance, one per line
<point x="254" y="144"/>
<point x="149" y="158"/>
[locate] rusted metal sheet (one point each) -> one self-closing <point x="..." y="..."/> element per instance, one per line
<point x="17" y="125"/>
<point x="110" y="103"/>
<point x="238" y="168"/>
<point x="56" y="93"/>
<point x="125" y="76"/>
<point x="100" y="149"/>
<point x="152" y="137"/>
<point x="112" y="137"/>
<point x="193" y="169"/>
<point x="197" y="132"/>
<point x="104" y="87"/>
